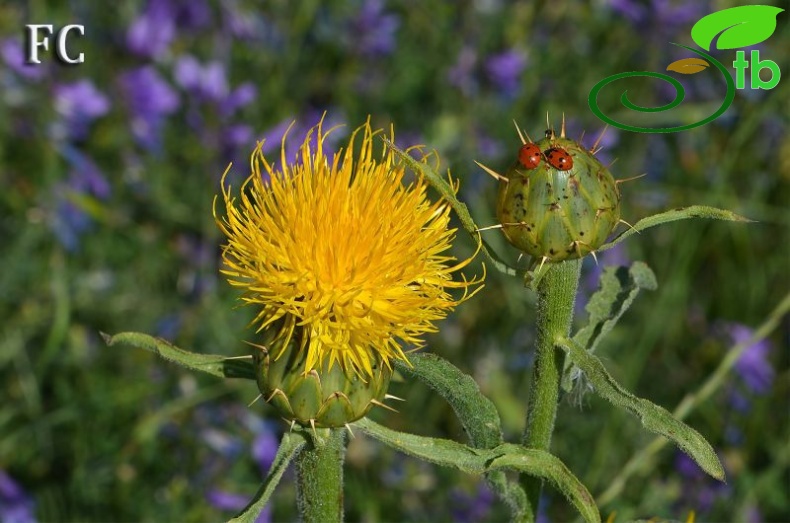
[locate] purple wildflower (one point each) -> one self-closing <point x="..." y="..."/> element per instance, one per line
<point x="15" y="505"/>
<point x="240" y="97"/>
<point x="373" y="29"/>
<point x="151" y="34"/>
<point x="207" y="82"/>
<point x="504" y="70"/>
<point x="14" y="56"/>
<point x="665" y="15"/>
<point x="264" y="448"/>
<point x="474" y="507"/>
<point x="699" y="490"/>
<point x="150" y="99"/>
<point x="70" y="220"/>
<point x="753" y="367"/>
<point x="80" y="103"/>
<point x="461" y="74"/>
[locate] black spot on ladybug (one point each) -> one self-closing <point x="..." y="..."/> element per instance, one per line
<point x="551" y="251"/>
<point x="581" y="233"/>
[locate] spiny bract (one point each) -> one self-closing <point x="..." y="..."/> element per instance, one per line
<point x="561" y="204"/>
<point x="326" y="397"/>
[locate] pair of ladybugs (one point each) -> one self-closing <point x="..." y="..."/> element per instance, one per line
<point x="530" y="155"/>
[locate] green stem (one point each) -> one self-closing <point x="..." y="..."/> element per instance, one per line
<point x="556" y="297"/>
<point x="319" y="476"/>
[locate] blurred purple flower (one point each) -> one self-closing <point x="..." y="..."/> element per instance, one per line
<point x="207" y="82"/>
<point x="504" y="70"/>
<point x="150" y="99"/>
<point x="699" y="491"/>
<point x="85" y="177"/>
<point x="264" y="448"/>
<point x="235" y="502"/>
<point x="240" y="97"/>
<point x="70" y="220"/>
<point x="14" y="56"/>
<point x="461" y="74"/>
<point x="80" y="103"/>
<point x="227" y="445"/>
<point x="665" y="15"/>
<point x="152" y="32"/>
<point x="373" y="29"/>
<point x="469" y="508"/>
<point x="15" y="505"/>
<point x="753" y="367"/>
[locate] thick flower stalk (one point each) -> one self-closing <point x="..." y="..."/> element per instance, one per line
<point x="346" y="262"/>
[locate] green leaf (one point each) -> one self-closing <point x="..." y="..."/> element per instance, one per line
<point x="215" y="365"/>
<point x="654" y="418"/>
<point x="681" y="213"/>
<point x="739" y="26"/>
<point x="478" y="461"/>
<point x="618" y="288"/>
<point x="448" y="193"/>
<point x="477" y="414"/>
<point x="291" y="444"/>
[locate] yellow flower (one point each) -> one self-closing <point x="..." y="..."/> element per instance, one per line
<point x="343" y="249"/>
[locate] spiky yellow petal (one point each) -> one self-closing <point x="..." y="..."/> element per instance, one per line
<point x="343" y="249"/>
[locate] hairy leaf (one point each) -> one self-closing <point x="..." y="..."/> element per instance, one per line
<point x="477" y="414"/>
<point x="215" y="365"/>
<point x="654" y="418"/>
<point x="681" y="213"/>
<point x="739" y="26"/>
<point x="291" y="444"/>
<point x="617" y="290"/>
<point x="478" y="461"/>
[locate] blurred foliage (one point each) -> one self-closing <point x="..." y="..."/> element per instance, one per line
<point x="97" y="434"/>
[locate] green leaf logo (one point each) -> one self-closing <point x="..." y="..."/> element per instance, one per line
<point x="739" y="26"/>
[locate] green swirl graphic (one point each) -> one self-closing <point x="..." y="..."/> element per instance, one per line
<point x="679" y="96"/>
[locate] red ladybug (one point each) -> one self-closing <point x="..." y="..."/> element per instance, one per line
<point x="559" y="159"/>
<point x="529" y="155"/>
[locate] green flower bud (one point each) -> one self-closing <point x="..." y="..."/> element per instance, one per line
<point x="557" y="201"/>
<point x="326" y="396"/>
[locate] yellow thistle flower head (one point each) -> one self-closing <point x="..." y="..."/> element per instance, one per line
<point x="343" y="249"/>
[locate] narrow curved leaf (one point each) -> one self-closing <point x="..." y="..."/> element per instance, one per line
<point x="443" y="186"/>
<point x="617" y="290"/>
<point x="681" y="213"/>
<point x="449" y="453"/>
<point x="475" y="411"/>
<point x="221" y="366"/>
<point x="290" y="446"/>
<point x="688" y="65"/>
<point x="739" y="26"/>
<point x="654" y="418"/>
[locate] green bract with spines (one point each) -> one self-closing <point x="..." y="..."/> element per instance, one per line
<point x="326" y="397"/>
<point x="556" y="208"/>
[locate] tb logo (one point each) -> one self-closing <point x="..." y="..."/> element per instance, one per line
<point x="34" y="41"/>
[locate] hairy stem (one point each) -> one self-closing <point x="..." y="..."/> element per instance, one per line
<point x="319" y="476"/>
<point x="556" y="297"/>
